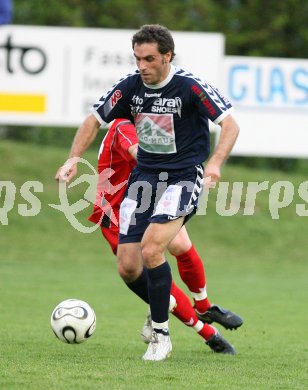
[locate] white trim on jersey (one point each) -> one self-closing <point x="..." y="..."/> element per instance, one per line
<point x="223" y="115"/>
<point x="97" y="116"/>
<point x="164" y="82"/>
<point x="107" y="95"/>
<point x="220" y="102"/>
<point x="198" y="186"/>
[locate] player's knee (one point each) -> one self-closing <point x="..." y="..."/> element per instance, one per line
<point x="151" y="254"/>
<point x="178" y="248"/>
<point x="128" y="272"/>
<point x="129" y="262"/>
<point x="129" y="265"/>
<point x="180" y="244"/>
<point x="147" y="251"/>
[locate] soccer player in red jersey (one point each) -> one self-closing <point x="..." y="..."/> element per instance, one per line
<point x="117" y="158"/>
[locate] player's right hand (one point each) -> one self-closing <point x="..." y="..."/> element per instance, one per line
<point x="66" y="172"/>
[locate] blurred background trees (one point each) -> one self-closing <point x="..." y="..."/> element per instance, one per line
<point x="252" y="27"/>
<point x="267" y="28"/>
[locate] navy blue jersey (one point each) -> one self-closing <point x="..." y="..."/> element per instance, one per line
<point x="171" y="118"/>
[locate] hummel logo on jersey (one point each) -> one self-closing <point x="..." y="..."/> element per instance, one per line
<point x="152" y="94"/>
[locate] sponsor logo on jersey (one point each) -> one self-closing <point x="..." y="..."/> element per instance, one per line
<point x="116" y="96"/>
<point x="156" y="132"/>
<point x="152" y="94"/>
<point x="167" y="106"/>
<point x="113" y="100"/>
<point x="205" y="101"/>
<point x="135" y="109"/>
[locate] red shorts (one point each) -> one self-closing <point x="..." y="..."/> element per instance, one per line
<point x="111" y="234"/>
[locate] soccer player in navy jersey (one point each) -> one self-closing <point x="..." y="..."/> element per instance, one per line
<point x="171" y="109"/>
<point x="116" y="159"/>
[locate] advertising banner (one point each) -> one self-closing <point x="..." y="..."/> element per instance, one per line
<point x="52" y="75"/>
<point x="271" y="100"/>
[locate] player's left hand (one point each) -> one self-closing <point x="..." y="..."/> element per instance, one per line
<point x="211" y="176"/>
<point x="208" y="182"/>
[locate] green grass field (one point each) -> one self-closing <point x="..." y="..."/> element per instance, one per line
<point x="256" y="266"/>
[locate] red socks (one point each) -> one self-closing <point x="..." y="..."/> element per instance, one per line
<point x="192" y="273"/>
<point x="184" y="311"/>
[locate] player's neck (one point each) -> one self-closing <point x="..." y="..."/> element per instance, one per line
<point x="166" y="73"/>
<point x="165" y="81"/>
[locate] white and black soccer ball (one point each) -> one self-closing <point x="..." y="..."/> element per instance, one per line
<point x="73" y="321"/>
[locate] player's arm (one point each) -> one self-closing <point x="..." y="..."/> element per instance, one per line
<point x="127" y="140"/>
<point x="218" y="109"/>
<point x="132" y="150"/>
<point x="228" y="135"/>
<point x="104" y="111"/>
<point x="84" y="137"/>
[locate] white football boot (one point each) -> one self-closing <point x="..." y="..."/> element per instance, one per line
<point x="159" y="348"/>
<point x="146" y="333"/>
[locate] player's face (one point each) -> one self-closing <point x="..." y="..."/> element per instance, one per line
<point x="154" y="67"/>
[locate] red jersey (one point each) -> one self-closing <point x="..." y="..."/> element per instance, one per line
<point x="115" y="164"/>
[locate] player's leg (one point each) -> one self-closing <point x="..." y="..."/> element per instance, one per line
<point x="135" y="211"/>
<point x="133" y="221"/>
<point x="175" y="203"/>
<point x="191" y="269"/>
<point x="179" y="302"/>
<point x="132" y="270"/>
<point x="192" y="273"/>
<point x="184" y="311"/>
<point x="143" y="283"/>
<point x="180" y="306"/>
<point x="153" y="246"/>
<point x="111" y="235"/>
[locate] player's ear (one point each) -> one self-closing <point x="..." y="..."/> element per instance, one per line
<point x="167" y="57"/>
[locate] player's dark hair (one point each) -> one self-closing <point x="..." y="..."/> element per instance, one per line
<point x="155" y="33"/>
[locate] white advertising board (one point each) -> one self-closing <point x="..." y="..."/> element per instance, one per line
<point x="52" y="75"/>
<point x="271" y="100"/>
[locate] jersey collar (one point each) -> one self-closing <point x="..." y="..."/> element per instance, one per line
<point x="164" y="82"/>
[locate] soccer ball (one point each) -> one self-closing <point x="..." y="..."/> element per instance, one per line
<point x="73" y="321"/>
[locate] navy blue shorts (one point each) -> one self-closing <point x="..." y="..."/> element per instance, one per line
<point x="159" y="198"/>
